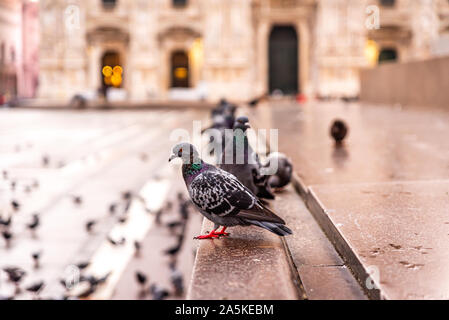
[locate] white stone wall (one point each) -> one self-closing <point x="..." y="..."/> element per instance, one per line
<point x="227" y="43"/>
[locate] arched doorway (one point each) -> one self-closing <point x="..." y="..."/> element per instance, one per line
<point x="388" y="54"/>
<point x="110" y="58"/>
<point x="179" y="69"/>
<point x="283" y="60"/>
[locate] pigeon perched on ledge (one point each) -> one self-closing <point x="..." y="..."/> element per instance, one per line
<point x="221" y="197"/>
<point x="242" y="161"/>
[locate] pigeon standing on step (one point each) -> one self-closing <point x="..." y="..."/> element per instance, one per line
<point x="284" y="170"/>
<point x="221" y="197"/>
<point x="338" y="131"/>
<point x="240" y="159"/>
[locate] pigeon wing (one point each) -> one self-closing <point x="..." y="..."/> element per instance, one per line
<point x="219" y="192"/>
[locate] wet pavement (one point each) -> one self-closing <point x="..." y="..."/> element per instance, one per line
<point x="50" y="158"/>
<point x="382" y="198"/>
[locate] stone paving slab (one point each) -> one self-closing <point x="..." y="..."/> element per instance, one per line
<point x="397" y="232"/>
<point x="383" y="144"/>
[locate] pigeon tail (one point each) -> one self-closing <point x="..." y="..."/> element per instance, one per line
<point x="277" y="228"/>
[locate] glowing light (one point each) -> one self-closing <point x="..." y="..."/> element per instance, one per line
<point x="107" y="71"/>
<point x="116" y="80"/>
<point x="371" y="52"/>
<point x="117" y="70"/>
<point x="181" y="73"/>
<point x="107" y="80"/>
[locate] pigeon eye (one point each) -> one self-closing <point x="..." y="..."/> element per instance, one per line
<point x="180" y="152"/>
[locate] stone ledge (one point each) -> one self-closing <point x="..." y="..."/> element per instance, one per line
<point x="249" y="264"/>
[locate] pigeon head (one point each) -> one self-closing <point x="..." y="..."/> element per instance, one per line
<point x="187" y="152"/>
<point x="241" y="123"/>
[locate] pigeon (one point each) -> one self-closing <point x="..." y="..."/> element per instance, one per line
<point x="338" y="131"/>
<point x="137" y="247"/>
<point x="158" y="293"/>
<point x="141" y="278"/>
<point x="15" y="274"/>
<point x="284" y="170"/>
<point x="7" y="235"/>
<point x="78" y="200"/>
<point x="240" y="160"/>
<point x="119" y="242"/>
<point x="184" y="210"/>
<point x="6" y="223"/>
<point x="45" y="160"/>
<point x="221" y="197"/>
<point x="127" y="195"/>
<point x="159" y="216"/>
<point x="173" y="251"/>
<point x="36" y="257"/>
<point x="174" y="224"/>
<point x="34" y="223"/>
<point x="90" y="225"/>
<point x="36" y="288"/>
<point x="83" y="265"/>
<point x="176" y="280"/>
<point x="15" y="205"/>
<point x="112" y="208"/>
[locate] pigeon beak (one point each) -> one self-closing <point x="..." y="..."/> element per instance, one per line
<point x="247" y="126"/>
<point x="173" y="156"/>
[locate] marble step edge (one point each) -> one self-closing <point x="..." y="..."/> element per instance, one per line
<point x="342" y="246"/>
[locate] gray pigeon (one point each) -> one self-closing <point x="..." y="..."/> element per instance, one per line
<point x="244" y="163"/>
<point x="283" y="174"/>
<point x="221" y="197"/>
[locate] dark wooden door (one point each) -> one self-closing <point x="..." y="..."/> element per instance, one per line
<point x="283" y="60"/>
<point x="179" y="70"/>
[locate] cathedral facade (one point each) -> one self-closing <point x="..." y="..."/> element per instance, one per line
<point x="207" y="49"/>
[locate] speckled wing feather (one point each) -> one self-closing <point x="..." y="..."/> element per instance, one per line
<point x="219" y="192"/>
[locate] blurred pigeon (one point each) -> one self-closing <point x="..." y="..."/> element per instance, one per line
<point x="141" y="278"/>
<point x="158" y="293"/>
<point x="176" y="280"/>
<point x="221" y="197"/>
<point x="137" y="247"/>
<point x="15" y="275"/>
<point x="244" y="163"/>
<point x="6" y="223"/>
<point x="7" y="236"/>
<point x="90" y="225"/>
<point x="284" y="170"/>
<point x="45" y="160"/>
<point x="15" y="205"/>
<point x="173" y="251"/>
<point x="127" y="195"/>
<point x="82" y="265"/>
<point x="36" y="288"/>
<point x="36" y="257"/>
<point x="112" y="208"/>
<point x="78" y="200"/>
<point x="338" y="131"/>
<point x="119" y="242"/>
<point x="35" y="222"/>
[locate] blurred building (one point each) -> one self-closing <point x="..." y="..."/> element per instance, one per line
<point x="19" y="48"/>
<point x="194" y="49"/>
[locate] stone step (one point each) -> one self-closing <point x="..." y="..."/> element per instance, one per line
<point x="393" y="235"/>
<point x="323" y="273"/>
<point x="249" y="264"/>
<point x="253" y="263"/>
